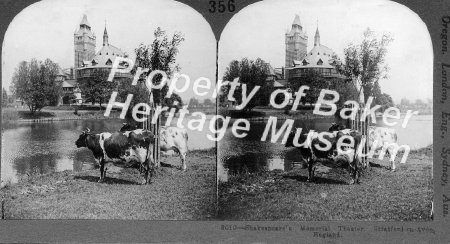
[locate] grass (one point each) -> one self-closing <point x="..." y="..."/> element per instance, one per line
<point x="403" y="195"/>
<point x="301" y="112"/>
<point x="173" y="194"/>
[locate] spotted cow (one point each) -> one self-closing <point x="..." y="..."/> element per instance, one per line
<point x="121" y="149"/>
<point x="312" y="150"/>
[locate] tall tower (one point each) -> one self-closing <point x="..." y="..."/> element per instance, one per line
<point x="296" y="42"/>
<point x="84" y="43"/>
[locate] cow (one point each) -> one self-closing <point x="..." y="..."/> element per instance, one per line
<point x="171" y="138"/>
<point x="380" y="135"/>
<point x="331" y="157"/>
<point x="122" y="149"/>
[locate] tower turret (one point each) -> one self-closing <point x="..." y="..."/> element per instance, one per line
<point x="84" y="43"/>
<point x="296" y="42"/>
<point x="105" y="37"/>
<point x="317" y="37"/>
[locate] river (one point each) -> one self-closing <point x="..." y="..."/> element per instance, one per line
<point x="250" y="154"/>
<point x="39" y="148"/>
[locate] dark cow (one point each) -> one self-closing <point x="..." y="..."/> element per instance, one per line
<point x="171" y="138"/>
<point x="332" y="157"/>
<point x="122" y="149"/>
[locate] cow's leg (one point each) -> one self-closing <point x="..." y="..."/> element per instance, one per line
<point x="149" y="165"/>
<point x="102" y="171"/>
<point x="183" y="160"/>
<point x="354" y="172"/>
<point x="310" y="170"/>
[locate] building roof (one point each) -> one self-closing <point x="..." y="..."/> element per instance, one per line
<point x="279" y="83"/>
<point x="69" y="83"/>
<point x="85" y="28"/>
<point x="319" y="57"/>
<point x="297" y="20"/>
<point x="84" y="21"/>
<point x="296" y="27"/>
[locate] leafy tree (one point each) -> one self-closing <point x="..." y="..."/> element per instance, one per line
<point x="252" y="73"/>
<point x="97" y="88"/>
<point x="385" y="100"/>
<point x="193" y="102"/>
<point x="405" y="102"/>
<point x="207" y="102"/>
<point x="315" y="82"/>
<point x="160" y="55"/>
<point x="174" y="101"/>
<point x="4" y="98"/>
<point x="365" y="62"/>
<point x="34" y="82"/>
<point x="419" y="103"/>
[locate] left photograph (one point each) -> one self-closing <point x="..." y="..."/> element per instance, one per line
<point x="105" y="110"/>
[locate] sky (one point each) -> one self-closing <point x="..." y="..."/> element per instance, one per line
<point x="45" y="30"/>
<point x="259" y="30"/>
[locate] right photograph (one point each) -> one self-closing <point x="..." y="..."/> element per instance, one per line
<point x="327" y="113"/>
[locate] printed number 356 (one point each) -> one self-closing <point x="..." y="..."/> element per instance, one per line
<point x="220" y="6"/>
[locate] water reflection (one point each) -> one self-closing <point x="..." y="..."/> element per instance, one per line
<point x="38" y="148"/>
<point x="250" y="154"/>
<point x="254" y="162"/>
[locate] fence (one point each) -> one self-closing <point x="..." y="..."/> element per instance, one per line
<point x="155" y="129"/>
<point x="362" y="126"/>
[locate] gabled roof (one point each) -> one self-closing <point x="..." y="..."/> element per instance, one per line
<point x="279" y="83"/>
<point x="297" y="20"/>
<point x="69" y="83"/>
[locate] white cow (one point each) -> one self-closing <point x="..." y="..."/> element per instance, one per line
<point x="383" y="136"/>
<point x="171" y="138"/>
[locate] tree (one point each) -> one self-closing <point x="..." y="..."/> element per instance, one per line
<point x="315" y="82"/>
<point x="193" y="102"/>
<point x="419" y="103"/>
<point x="160" y="55"/>
<point x="208" y="103"/>
<point x="34" y="83"/>
<point x="385" y="100"/>
<point x="97" y="88"/>
<point x="252" y="73"/>
<point x="364" y="63"/>
<point x="4" y="98"/>
<point x="174" y="101"/>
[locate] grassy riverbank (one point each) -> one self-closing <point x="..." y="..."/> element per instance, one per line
<point x="189" y="195"/>
<point x="265" y="112"/>
<point x="403" y="195"/>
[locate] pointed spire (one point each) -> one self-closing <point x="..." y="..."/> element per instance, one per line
<point x="317" y="36"/>
<point x="297" y="21"/>
<point x="84" y="21"/>
<point x="105" y="36"/>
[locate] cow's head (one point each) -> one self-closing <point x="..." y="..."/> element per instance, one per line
<point x="336" y="127"/>
<point x="82" y="142"/>
<point x="128" y="127"/>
